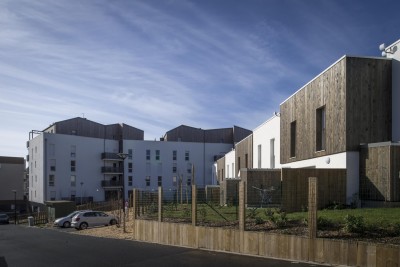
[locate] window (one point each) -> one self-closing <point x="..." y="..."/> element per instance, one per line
<point x="52" y="165"/>
<point x="157" y="154"/>
<point x="147" y="180"/>
<point x="148" y="154"/>
<point x="159" y="180"/>
<point x="320" y="129"/>
<point x="189" y="167"/>
<point x="130" y="179"/>
<point x="187" y="155"/>
<point x="272" y="153"/>
<point x="246" y="161"/>
<point x="73" y="180"/>
<point x="73" y="151"/>
<point x="52" y="179"/>
<point x="52" y="195"/>
<point x="259" y="157"/>
<point x="174" y="155"/>
<point x="227" y="171"/>
<point x="293" y="139"/>
<point x="238" y="164"/>
<point x="174" y="181"/>
<point x="130" y="153"/>
<point x="130" y="167"/>
<point x="73" y="166"/>
<point x="189" y="181"/>
<point x="174" y="167"/>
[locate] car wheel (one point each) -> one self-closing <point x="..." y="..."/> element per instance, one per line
<point x="113" y="222"/>
<point x="67" y="224"/>
<point x="83" y="226"/>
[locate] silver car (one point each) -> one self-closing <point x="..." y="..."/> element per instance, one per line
<point x="66" y="221"/>
<point x="87" y="219"/>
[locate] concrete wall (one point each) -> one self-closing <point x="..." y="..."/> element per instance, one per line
<point x="288" y="247"/>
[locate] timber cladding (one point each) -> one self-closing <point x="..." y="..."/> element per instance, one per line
<point x="355" y="94"/>
<point x="263" y="186"/>
<point x="244" y="154"/>
<point x="379" y="172"/>
<point x="331" y="187"/>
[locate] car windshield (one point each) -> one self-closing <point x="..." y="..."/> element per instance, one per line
<point x="72" y="214"/>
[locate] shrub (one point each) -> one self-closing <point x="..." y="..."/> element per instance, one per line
<point x="259" y="220"/>
<point x="354" y="224"/>
<point x="324" y="223"/>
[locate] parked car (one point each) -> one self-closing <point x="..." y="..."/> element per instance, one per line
<point x="4" y="218"/>
<point x="87" y="219"/>
<point x="66" y="221"/>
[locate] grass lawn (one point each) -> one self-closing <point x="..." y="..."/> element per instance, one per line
<point x="372" y="216"/>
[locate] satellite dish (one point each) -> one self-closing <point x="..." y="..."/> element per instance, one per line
<point x="382" y="47"/>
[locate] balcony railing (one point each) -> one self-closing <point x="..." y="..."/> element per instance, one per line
<point x="110" y="156"/>
<point x="110" y="183"/>
<point x="113" y="170"/>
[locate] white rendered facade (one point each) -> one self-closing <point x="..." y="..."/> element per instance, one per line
<point x="230" y="165"/>
<point x="76" y="167"/>
<point x="157" y="163"/>
<point x="266" y="144"/>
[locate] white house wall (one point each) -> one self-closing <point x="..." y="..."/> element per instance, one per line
<point x="229" y="162"/>
<point x="262" y="135"/>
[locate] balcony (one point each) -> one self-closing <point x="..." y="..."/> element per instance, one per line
<point x="112" y="170"/>
<point x="110" y="183"/>
<point x="110" y="156"/>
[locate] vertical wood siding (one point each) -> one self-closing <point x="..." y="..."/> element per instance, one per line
<point x="356" y="95"/>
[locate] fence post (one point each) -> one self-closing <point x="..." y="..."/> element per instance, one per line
<point x="134" y="203"/>
<point x="194" y="205"/>
<point x="312" y="215"/>
<point x="160" y="208"/>
<point x="242" y="205"/>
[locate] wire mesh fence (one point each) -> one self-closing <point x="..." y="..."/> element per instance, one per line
<point x="147" y="205"/>
<point x="177" y="205"/>
<point x="211" y="213"/>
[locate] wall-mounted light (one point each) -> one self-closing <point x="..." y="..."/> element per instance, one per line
<point x="328" y="160"/>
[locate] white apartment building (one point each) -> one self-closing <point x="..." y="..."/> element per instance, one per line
<point x="81" y="160"/>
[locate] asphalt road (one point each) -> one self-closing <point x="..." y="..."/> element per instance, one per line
<point x="31" y="246"/>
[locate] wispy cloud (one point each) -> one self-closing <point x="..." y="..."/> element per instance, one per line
<point x="158" y="64"/>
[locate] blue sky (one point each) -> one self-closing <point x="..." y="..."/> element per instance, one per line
<point x="157" y="64"/>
